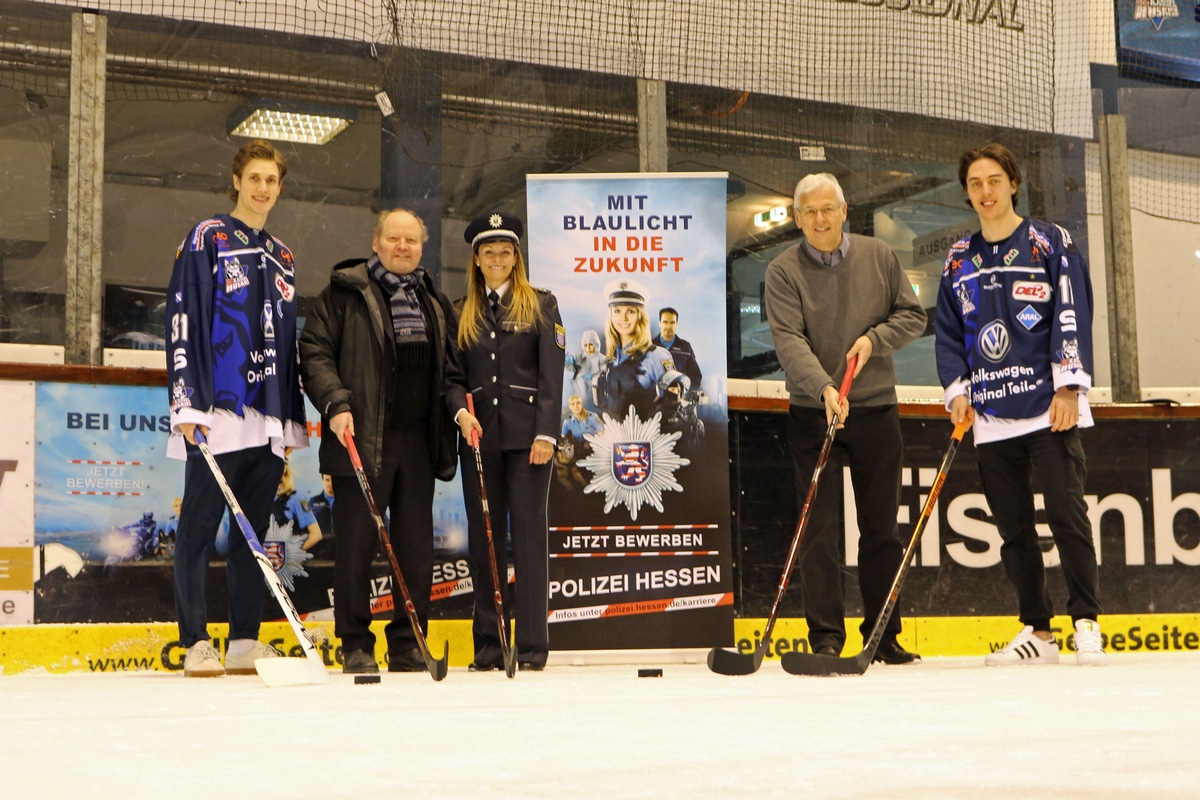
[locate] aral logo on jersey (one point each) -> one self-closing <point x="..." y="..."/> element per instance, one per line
<point x="1028" y="316"/>
<point x="994" y="341"/>
<point x="1033" y="291"/>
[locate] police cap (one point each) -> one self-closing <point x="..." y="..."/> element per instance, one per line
<point x="494" y="225"/>
<point x="625" y="292"/>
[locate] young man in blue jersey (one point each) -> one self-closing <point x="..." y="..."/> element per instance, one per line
<point x="232" y="372"/>
<point x="1014" y="347"/>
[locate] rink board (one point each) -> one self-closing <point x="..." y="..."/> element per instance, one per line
<point x="122" y="647"/>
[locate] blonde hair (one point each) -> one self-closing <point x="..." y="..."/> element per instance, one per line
<point x="584" y="416"/>
<point x="525" y="310"/>
<point x="287" y="484"/>
<point x="641" y="334"/>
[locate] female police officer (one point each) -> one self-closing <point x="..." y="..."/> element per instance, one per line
<point x="510" y="356"/>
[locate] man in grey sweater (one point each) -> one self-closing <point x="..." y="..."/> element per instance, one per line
<point x="828" y="298"/>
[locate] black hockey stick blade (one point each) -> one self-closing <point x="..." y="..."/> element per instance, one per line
<point x="813" y="664"/>
<point x="730" y="662"/>
<point x="437" y="666"/>
<point x="510" y="662"/>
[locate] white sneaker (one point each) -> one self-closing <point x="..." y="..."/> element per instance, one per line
<point x="1089" y="647"/>
<point x="1025" y="648"/>
<point x="240" y="659"/>
<point x="202" y="661"/>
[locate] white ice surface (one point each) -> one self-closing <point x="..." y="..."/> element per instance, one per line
<point x="947" y="728"/>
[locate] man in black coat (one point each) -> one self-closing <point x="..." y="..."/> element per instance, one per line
<point x="373" y="355"/>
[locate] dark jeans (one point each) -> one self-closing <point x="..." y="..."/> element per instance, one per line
<point x="871" y="445"/>
<point x="254" y="476"/>
<point x="517" y="494"/>
<point x="1054" y="462"/>
<point x="404" y="490"/>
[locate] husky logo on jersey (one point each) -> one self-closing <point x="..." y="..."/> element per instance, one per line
<point x="181" y="395"/>
<point x="964" y="299"/>
<point x="994" y="341"/>
<point x="1011" y="256"/>
<point x="242" y="237"/>
<point x="1028" y="316"/>
<point x="1068" y="357"/>
<point x="268" y="322"/>
<point x="235" y="275"/>
<point x="286" y="290"/>
<point x="1035" y="291"/>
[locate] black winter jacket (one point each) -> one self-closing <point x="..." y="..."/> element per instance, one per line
<point x="348" y="362"/>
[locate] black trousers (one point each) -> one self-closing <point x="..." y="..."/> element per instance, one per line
<point x="403" y="489"/>
<point x="254" y="477"/>
<point x="517" y="493"/>
<point x="1055" y="462"/>
<point x="871" y="445"/>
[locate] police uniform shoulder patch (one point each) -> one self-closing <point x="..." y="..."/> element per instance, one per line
<point x="560" y="336"/>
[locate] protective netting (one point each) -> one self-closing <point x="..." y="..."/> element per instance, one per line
<point x="550" y="85"/>
<point x="1158" y="54"/>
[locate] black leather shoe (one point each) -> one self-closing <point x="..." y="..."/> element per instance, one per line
<point x="360" y="662"/>
<point x="827" y="650"/>
<point x="530" y="666"/>
<point x="484" y="666"/>
<point x="892" y="653"/>
<point x="406" y="661"/>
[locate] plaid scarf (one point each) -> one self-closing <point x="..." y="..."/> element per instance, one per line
<point x="408" y="323"/>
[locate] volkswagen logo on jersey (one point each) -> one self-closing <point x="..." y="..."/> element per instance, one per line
<point x="1028" y="316"/>
<point x="994" y="341"/>
<point x="631" y="462"/>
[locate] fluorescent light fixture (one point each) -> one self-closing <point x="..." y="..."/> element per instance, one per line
<point x="772" y="216"/>
<point x="290" y="122"/>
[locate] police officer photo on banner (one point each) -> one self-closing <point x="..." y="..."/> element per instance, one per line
<point x="637" y="263"/>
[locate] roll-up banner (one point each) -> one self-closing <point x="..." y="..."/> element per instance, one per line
<point x="639" y="505"/>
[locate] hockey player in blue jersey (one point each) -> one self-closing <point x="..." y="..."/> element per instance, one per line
<point x="232" y="372"/>
<point x="1014" y="348"/>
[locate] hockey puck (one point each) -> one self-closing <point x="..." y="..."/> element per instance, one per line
<point x="359" y="679"/>
<point x="649" y="673"/>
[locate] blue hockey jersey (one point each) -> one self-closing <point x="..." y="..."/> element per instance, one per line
<point x="1013" y="324"/>
<point x="232" y="359"/>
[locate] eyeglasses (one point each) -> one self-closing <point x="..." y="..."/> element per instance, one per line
<point x="828" y="211"/>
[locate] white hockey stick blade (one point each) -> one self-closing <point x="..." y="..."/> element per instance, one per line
<point x="276" y="672"/>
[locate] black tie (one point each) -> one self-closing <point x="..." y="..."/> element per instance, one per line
<point x="494" y="298"/>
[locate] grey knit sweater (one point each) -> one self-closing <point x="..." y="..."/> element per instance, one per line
<point x="816" y="313"/>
